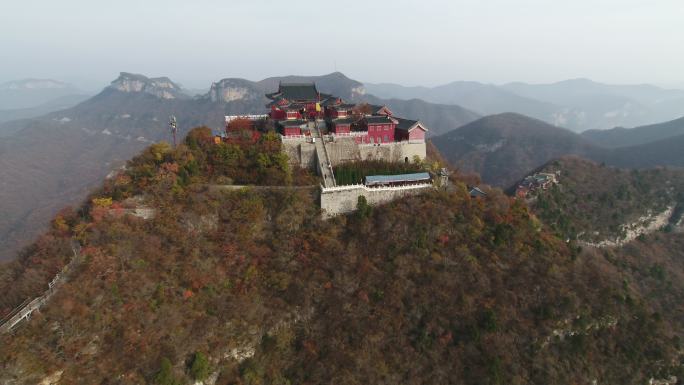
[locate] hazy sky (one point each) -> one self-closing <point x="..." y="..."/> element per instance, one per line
<point x="425" y="42"/>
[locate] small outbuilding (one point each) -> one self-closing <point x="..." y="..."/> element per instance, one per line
<point x="476" y="192"/>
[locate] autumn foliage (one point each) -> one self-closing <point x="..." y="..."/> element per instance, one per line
<point x="253" y="286"/>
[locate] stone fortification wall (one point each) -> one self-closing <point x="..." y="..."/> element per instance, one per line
<point x="300" y="153"/>
<point x="343" y="199"/>
<point x="393" y="152"/>
<point x="343" y="149"/>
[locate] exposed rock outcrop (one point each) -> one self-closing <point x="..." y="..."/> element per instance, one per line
<point x="358" y="91"/>
<point x="161" y="87"/>
<point x="646" y="224"/>
<point x="229" y="90"/>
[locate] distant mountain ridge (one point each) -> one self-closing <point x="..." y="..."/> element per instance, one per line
<point x="577" y="104"/>
<point x="503" y="148"/>
<point x="30" y="93"/>
<point x="34" y="84"/>
<point x="59" y="103"/>
<point x="485" y="99"/>
<point x="623" y="137"/>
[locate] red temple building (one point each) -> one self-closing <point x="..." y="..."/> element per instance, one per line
<point x="293" y="127"/>
<point x="341" y="126"/>
<point x="294" y="105"/>
<point x="335" y="108"/>
<point x="411" y="130"/>
<point x="379" y="128"/>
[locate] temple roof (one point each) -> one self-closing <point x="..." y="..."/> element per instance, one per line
<point x="276" y="102"/>
<point x="377" y="109"/>
<point x="348" y="120"/>
<point x="291" y="123"/>
<point x="347" y="106"/>
<point x="332" y="101"/>
<point x="296" y="91"/>
<point x="405" y="124"/>
<point x="294" y="106"/>
<point x="378" y="119"/>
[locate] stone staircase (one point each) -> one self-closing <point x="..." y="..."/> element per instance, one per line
<point x="324" y="165"/>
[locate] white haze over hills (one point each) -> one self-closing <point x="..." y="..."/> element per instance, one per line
<point x="27" y="98"/>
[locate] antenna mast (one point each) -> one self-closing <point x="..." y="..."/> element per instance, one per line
<point x="173" y="127"/>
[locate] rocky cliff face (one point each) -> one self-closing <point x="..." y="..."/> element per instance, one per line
<point x="229" y="90"/>
<point x="161" y="87"/>
<point x="358" y="91"/>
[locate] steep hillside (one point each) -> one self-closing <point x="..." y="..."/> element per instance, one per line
<point x="53" y="160"/>
<point x="596" y="203"/>
<point x="251" y="286"/>
<point x="503" y="148"/>
<point x="623" y="137"/>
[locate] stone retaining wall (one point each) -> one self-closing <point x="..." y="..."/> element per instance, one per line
<point x="344" y="149"/>
<point x="343" y="199"/>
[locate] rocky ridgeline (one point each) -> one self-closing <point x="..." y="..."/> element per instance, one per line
<point x="229" y="90"/>
<point x="161" y="87"/>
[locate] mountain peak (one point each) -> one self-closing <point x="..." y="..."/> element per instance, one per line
<point x="161" y="87"/>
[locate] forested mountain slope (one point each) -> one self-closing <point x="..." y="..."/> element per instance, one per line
<point x="594" y="202"/>
<point x="503" y="148"/>
<point x="253" y="287"/>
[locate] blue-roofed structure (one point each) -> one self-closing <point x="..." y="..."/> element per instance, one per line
<point x="395" y="180"/>
<point x="476" y="192"/>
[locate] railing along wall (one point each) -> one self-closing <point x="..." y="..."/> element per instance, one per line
<point x="24" y="311"/>
<point x="368" y="188"/>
